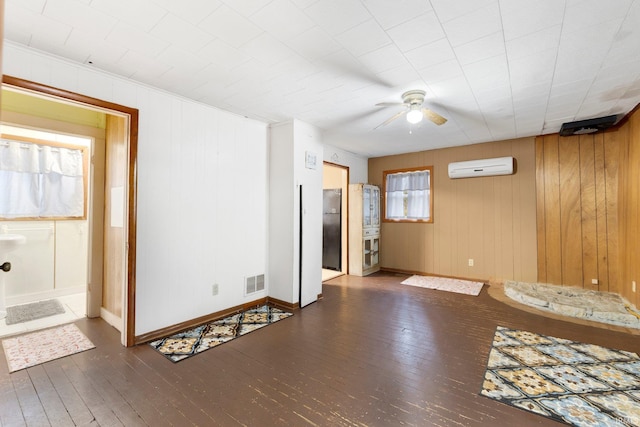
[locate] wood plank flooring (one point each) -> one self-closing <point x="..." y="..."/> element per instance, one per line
<point x="371" y="353"/>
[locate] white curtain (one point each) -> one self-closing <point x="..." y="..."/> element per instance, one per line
<point x="40" y="181"/>
<point x="408" y="195"/>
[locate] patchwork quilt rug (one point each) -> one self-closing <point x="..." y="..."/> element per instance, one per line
<point x="179" y="346"/>
<point x="572" y="382"/>
<point x="43" y="346"/>
<point x="466" y="287"/>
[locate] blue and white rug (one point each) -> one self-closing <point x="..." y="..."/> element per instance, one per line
<point x="568" y="381"/>
<point x="179" y="346"/>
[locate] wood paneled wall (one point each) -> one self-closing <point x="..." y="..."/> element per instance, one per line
<point x="577" y="210"/>
<point x="491" y="220"/>
<point x="629" y="136"/>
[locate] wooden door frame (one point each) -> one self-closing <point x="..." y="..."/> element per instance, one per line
<point x="132" y="113"/>
<point x="346" y="213"/>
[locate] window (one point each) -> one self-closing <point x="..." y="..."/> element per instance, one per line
<point x="408" y="195"/>
<point x="42" y="179"/>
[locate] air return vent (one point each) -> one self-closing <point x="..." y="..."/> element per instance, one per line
<point x="254" y="284"/>
<point x="582" y="127"/>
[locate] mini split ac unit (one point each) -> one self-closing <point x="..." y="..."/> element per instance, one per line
<point x="481" y="167"/>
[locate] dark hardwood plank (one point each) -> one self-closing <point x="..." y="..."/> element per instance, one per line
<point x="52" y="404"/>
<point x="372" y="352"/>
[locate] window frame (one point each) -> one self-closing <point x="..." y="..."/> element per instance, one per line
<point x="384" y="195"/>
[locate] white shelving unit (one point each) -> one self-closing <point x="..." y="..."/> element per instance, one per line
<point x="364" y="229"/>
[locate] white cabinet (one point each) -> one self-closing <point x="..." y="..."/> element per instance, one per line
<point x="364" y="229"/>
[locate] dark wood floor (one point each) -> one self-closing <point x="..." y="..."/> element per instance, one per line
<point x="371" y="353"/>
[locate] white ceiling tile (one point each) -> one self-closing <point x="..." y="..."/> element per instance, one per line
<point x="142" y="13"/>
<point x="352" y="13"/>
<point x="525" y="96"/>
<point x="291" y="69"/>
<point x="36" y="6"/>
<point x="532" y="43"/>
<point x="230" y="27"/>
<point x="343" y="63"/>
<point x="442" y="71"/>
<point x="282" y="19"/>
<point x="627" y="74"/>
<point x="46" y="44"/>
<point x="392" y="13"/>
<point x="448" y="10"/>
<point x="597" y="38"/>
<point x="521" y="18"/>
<point x="479" y="49"/>
<point x="145" y="66"/>
<point x="313" y="44"/>
<point x="267" y="49"/>
<point x="421" y="30"/>
<point x="383" y="59"/>
<point x="195" y="13"/>
<point x="488" y="73"/>
<point x="528" y="70"/>
<point x="278" y="59"/>
<point x="363" y="38"/>
<point x="399" y="76"/>
<point x="303" y="4"/>
<point x="455" y="90"/>
<point x="247" y="7"/>
<point x="599" y="108"/>
<point x="431" y="54"/>
<point x="95" y="49"/>
<point x="181" y="34"/>
<point x="474" y="25"/>
<point x="580" y="87"/>
<point x="223" y="55"/>
<point x="139" y="41"/>
<point x="583" y="14"/>
<point x="80" y="16"/>
<point x="28" y="23"/>
<point x="182" y="59"/>
<point x="17" y="35"/>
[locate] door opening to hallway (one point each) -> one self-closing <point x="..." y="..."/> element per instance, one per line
<point x="335" y="184"/>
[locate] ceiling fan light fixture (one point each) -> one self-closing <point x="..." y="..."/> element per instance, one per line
<point x="414" y="115"/>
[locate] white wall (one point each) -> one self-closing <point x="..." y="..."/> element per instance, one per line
<point x="308" y="141"/>
<point x="282" y="253"/>
<point x="358" y="165"/>
<point x="289" y="144"/>
<point x="51" y="263"/>
<point x="201" y="192"/>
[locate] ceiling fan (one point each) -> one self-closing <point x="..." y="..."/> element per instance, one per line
<point x="413" y="100"/>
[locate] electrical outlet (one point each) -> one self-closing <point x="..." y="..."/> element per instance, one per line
<point x="594" y="281"/>
<point x="214" y="289"/>
<point x="470" y="262"/>
<point x="633" y="285"/>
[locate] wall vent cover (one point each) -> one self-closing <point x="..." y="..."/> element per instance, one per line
<point x="254" y="284"/>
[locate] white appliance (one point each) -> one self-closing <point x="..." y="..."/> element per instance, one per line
<point x="481" y="167"/>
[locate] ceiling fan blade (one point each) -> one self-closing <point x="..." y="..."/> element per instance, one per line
<point x="434" y="117"/>
<point x="396" y="116"/>
<point x="389" y="104"/>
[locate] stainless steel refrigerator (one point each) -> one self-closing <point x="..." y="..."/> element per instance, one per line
<point x="332" y="229"/>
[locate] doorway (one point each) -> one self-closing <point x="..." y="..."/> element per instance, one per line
<point x="335" y="184"/>
<point x="111" y="282"/>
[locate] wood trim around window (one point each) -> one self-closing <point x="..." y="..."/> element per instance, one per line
<point x="384" y="195"/>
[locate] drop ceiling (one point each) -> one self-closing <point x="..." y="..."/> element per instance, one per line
<point x="495" y="69"/>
